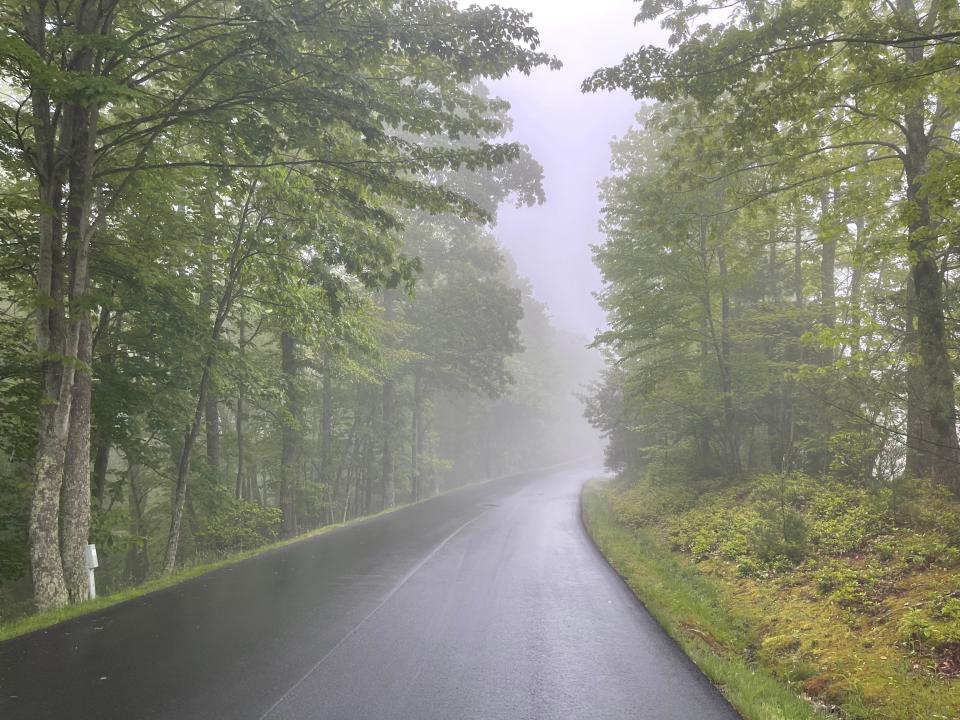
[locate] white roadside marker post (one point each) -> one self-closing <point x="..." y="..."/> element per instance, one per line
<point x="92" y="564"/>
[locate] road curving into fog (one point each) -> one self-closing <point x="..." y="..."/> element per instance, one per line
<point x="486" y="603"/>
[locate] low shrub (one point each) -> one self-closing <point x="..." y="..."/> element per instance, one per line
<point x="849" y="586"/>
<point x="239" y="526"/>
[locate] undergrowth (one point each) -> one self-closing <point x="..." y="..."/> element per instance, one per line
<point x="851" y="594"/>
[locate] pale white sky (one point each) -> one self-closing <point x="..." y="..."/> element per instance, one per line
<point x="569" y="133"/>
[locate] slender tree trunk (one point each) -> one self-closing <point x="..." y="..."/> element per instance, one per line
<point x="386" y="453"/>
<point x="241" y="409"/>
<point x="416" y="437"/>
<point x="721" y="345"/>
<point x="183" y="472"/>
<point x="326" y="426"/>
<point x="211" y="414"/>
<point x="828" y="292"/>
<point x="101" y="463"/>
<point x="138" y="559"/>
<point x="290" y="431"/>
<point x="854" y="305"/>
<point x="241" y="446"/>
<point x="773" y="272"/>
<point x="798" y="264"/>
<point x="193" y="430"/>
<point x="724" y="357"/>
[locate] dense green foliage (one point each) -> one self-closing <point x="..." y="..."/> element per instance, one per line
<point x="806" y="578"/>
<point x="720" y="636"/>
<point x="780" y="261"/>
<point x="248" y="281"/>
<point x="781" y="282"/>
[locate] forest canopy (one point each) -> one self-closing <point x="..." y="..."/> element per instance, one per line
<point x="248" y="278"/>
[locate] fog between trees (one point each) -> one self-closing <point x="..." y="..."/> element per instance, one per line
<point x="249" y="281"/>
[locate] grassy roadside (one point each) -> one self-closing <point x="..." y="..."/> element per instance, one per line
<point x="692" y="610"/>
<point x="39" y="621"/>
<point x="863" y="619"/>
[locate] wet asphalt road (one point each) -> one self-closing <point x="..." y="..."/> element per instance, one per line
<point x="486" y="603"/>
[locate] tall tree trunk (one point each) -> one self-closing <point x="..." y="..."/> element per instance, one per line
<point x="798" y="263"/>
<point x="63" y="448"/>
<point x="726" y="350"/>
<point x="241" y="409"/>
<point x="854" y="305"/>
<point x="76" y="478"/>
<point x="290" y="431"/>
<point x="76" y="485"/>
<point x="211" y="414"/>
<point x="101" y="463"/>
<point x="241" y="446"/>
<point x="386" y="427"/>
<point x="326" y="426"/>
<point x="138" y="559"/>
<point x="773" y="271"/>
<point x="416" y="437"/>
<point x="386" y="450"/>
<point x="938" y="454"/>
<point x="183" y="472"/>
<point x="49" y="585"/>
<point x="235" y="265"/>
<point x="828" y="262"/>
<point x="721" y="346"/>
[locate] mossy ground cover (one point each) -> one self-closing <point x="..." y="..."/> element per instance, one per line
<point x="784" y="588"/>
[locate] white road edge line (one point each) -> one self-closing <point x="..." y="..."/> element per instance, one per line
<point x="386" y="598"/>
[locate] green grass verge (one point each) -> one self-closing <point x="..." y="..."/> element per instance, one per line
<point x="39" y="621"/>
<point x="688" y="606"/>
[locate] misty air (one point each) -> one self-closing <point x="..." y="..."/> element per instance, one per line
<point x="428" y="360"/>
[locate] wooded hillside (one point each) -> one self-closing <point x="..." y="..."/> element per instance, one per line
<point x="781" y="266"/>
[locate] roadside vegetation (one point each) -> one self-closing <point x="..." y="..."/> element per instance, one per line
<point x="782" y="286"/>
<point x="851" y="602"/>
<point x="249" y="285"/>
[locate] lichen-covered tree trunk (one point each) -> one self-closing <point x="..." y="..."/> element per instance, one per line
<point x="63" y="154"/>
<point x="76" y="474"/>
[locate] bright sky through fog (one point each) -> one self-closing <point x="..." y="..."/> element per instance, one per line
<point x="569" y="133"/>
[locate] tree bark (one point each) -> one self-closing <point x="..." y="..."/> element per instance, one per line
<point x="241" y="446"/>
<point x="386" y="450"/>
<point x="211" y="414"/>
<point x="416" y="437"/>
<point x="828" y="291"/>
<point x="798" y="264"/>
<point x="138" y="559"/>
<point x="237" y="259"/>
<point x="938" y="453"/>
<point x="76" y="486"/>
<point x="183" y="472"/>
<point x="326" y="426"/>
<point x="290" y="431"/>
